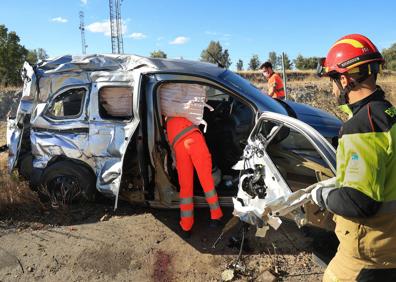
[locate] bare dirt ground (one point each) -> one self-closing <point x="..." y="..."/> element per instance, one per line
<point x="142" y="245"/>
<point x="89" y="242"/>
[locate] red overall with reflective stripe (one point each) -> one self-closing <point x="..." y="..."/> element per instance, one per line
<point x="191" y="151"/>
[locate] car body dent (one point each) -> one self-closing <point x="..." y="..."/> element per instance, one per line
<point x="86" y="138"/>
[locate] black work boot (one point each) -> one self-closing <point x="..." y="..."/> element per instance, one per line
<point x="185" y="234"/>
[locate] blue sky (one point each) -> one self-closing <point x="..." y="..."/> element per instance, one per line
<point x="183" y="28"/>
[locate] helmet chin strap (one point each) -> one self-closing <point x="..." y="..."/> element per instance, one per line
<point x="343" y="98"/>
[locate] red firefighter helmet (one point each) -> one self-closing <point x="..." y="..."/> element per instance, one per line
<point x="349" y="53"/>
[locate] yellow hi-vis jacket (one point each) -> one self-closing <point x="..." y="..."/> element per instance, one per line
<point x="364" y="203"/>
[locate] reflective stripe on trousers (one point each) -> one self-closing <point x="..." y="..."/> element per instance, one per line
<point x="191" y="152"/>
<point x="213" y="202"/>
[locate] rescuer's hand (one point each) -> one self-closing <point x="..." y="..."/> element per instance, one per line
<point x="323" y="186"/>
<point x="316" y="196"/>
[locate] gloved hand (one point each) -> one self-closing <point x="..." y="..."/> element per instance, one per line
<point x="316" y="196"/>
<point x="316" y="193"/>
<point x="328" y="182"/>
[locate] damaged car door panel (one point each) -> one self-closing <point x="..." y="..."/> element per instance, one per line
<point x="283" y="156"/>
<point x="94" y="124"/>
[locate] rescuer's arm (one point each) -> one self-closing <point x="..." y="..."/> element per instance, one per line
<point x="361" y="172"/>
<point x="346" y="201"/>
<point x="271" y="89"/>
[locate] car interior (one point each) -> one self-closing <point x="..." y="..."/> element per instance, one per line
<point x="296" y="158"/>
<point x="228" y="127"/>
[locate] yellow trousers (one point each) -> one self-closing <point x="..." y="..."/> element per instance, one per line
<point x="367" y="250"/>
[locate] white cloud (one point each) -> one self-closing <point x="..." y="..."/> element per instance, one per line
<point x="208" y="32"/>
<point x="84" y="2"/>
<point x="100" y="27"/>
<point x="103" y="27"/>
<point x="179" y="40"/>
<point x="137" y="35"/>
<point x="59" y="20"/>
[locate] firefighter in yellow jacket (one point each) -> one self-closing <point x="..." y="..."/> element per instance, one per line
<point x="364" y="200"/>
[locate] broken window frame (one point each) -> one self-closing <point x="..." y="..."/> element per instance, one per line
<point x="308" y="213"/>
<point x="49" y="116"/>
<point x="321" y="144"/>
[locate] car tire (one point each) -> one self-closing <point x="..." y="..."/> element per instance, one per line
<point x="68" y="181"/>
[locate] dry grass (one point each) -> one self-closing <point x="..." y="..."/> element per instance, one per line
<point x="16" y="197"/>
<point x="9" y="89"/>
<point x="305" y="87"/>
<point x="9" y="98"/>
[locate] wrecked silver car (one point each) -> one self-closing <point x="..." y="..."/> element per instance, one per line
<point x="89" y="124"/>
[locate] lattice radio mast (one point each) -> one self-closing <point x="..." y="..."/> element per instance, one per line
<point x="117" y="44"/>
<point x="82" y="29"/>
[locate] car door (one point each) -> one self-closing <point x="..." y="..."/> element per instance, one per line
<point x="18" y="124"/>
<point x="283" y="155"/>
<point x="113" y="120"/>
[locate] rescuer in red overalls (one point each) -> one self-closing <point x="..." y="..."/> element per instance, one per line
<point x="191" y="151"/>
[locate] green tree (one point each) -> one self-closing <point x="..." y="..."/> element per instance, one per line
<point x="305" y="63"/>
<point x="214" y="54"/>
<point x="158" y="54"/>
<point x="288" y="62"/>
<point x="226" y="60"/>
<point x="12" y="56"/>
<point x="36" y="55"/>
<point x="254" y="62"/>
<point x="390" y="57"/>
<point x="273" y="59"/>
<point x="239" y="65"/>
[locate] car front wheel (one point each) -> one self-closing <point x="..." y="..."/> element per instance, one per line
<point x="65" y="181"/>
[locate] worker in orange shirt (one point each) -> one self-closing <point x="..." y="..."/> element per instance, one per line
<point x="191" y="151"/>
<point x="275" y="83"/>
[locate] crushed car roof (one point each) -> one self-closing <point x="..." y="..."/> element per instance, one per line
<point x="115" y="62"/>
<point x="57" y="73"/>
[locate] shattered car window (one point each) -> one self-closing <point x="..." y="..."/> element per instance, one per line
<point x="67" y="105"/>
<point x="116" y="102"/>
<point x="296" y="158"/>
